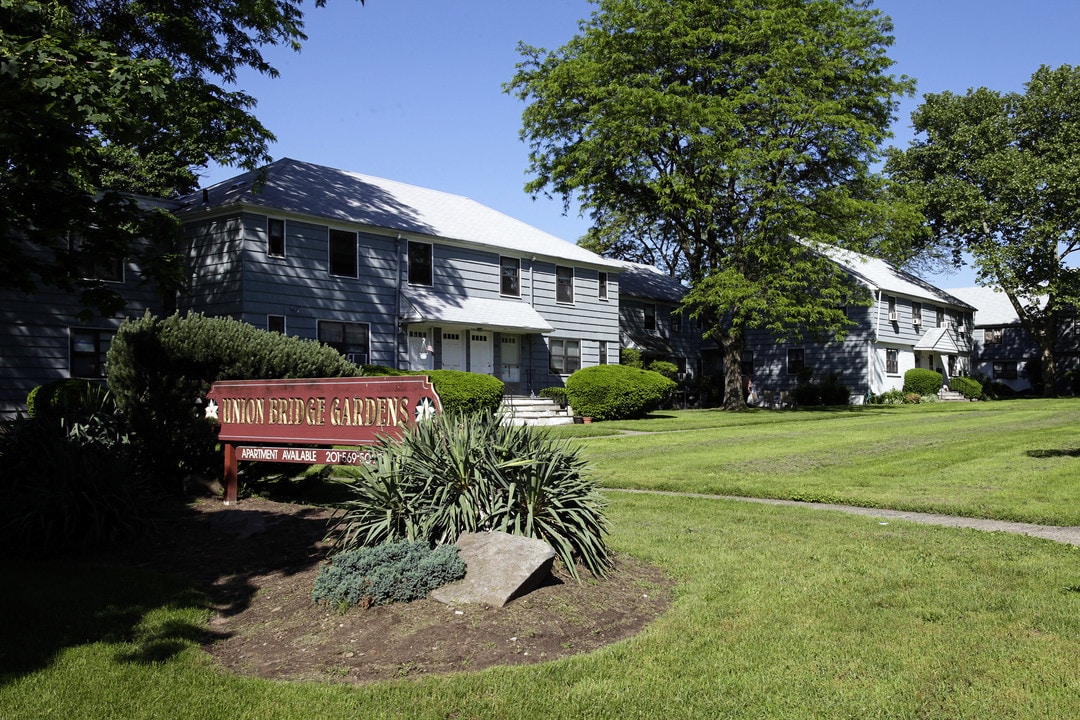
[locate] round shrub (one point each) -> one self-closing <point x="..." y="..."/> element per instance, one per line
<point x="466" y="392"/>
<point x="968" y="387"/>
<point x="70" y="397"/>
<point x="922" y="381"/>
<point x="668" y="369"/>
<point x="615" y="392"/>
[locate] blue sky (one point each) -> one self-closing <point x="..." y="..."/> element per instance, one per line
<point x="411" y="90"/>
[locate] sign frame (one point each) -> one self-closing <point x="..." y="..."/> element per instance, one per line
<point x="319" y="412"/>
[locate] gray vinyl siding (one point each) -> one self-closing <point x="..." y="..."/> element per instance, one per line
<point x="215" y="267"/>
<point x="588" y="318"/>
<point x="35" y="334"/>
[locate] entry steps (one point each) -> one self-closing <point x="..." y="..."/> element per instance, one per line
<point x="525" y="410"/>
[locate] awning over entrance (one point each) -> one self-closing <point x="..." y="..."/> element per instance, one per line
<point x="937" y="340"/>
<point x="648" y="344"/>
<point x="489" y="313"/>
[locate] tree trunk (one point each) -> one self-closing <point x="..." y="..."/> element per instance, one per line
<point x="731" y="348"/>
<point x="1049" y="371"/>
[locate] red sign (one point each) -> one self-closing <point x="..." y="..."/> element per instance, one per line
<point x="320" y="411"/>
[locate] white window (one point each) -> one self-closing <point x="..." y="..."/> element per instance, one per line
<point x="275" y="237"/>
<point x="510" y="276"/>
<point x="565" y="356"/>
<point x="564" y="284"/>
<point x="88" y="350"/>
<point x="343" y="253"/>
<point x="349" y="339"/>
<point x="420" y="263"/>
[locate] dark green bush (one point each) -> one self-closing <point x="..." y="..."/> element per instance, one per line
<point x="615" y="392"/>
<point x="556" y="393"/>
<point x="807" y="394"/>
<point x="466" y="392"/>
<point x="389" y="573"/>
<point x="70" y="480"/>
<point x="469" y="473"/>
<point x="968" y="387"/>
<point x="668" y="369"/>
<point x="70" y="397"/>
<point x="630" y="357"/>
<point x="161" y="368"/>
<point x="922" y="381"/>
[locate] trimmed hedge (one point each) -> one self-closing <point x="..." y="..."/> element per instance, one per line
<point x="968" y="387"/>
<point x="615" y="392"/>
<point x="460" y="392"/>
<point x="160" y="370"/>
<point x="922" y="381"/>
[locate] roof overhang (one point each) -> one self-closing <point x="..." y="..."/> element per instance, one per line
<point x="648" y="344"/>
<point x="938" y="340"/>
<point x="495" y="314"/>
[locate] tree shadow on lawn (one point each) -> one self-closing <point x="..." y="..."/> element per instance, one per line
<point x="107" y="595"/>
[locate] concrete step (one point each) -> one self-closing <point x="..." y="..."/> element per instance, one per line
<point x="951" y="396"/>
<point x="523" y="410"/>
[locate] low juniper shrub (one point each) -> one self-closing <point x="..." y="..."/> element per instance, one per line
<point x="383" y="574"/>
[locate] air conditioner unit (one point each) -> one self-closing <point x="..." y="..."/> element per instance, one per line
<point x="916" y="321"/>
<point x="961" y="330"/>
<point x="892" y="316"/>
<point x="356" y="358"/>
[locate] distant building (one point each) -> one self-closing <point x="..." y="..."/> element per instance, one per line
<point x="911" y="324"/>
<point x="1003" y="349"/>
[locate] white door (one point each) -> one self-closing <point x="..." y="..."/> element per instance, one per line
<point x="453" y="351"/>
<point x="510" y="359"/>
<point x="421" y="353"/>
<point x="481" y="353"/>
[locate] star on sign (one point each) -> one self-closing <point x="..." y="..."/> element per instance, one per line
<point x="212" y="410"/>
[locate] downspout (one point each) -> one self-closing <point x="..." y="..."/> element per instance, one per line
<point x="397" y="313"/>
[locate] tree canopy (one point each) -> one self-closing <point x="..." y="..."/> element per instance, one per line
<point x="738" y="127"/>
<point x="106" y="99"/>
<point x="998" y="176"/>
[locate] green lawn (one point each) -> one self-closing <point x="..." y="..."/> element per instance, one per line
<point x="780" y="612"/>
<point x="1017" y="460"/>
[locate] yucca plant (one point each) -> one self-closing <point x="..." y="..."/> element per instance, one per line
<point x="468" y="473"/>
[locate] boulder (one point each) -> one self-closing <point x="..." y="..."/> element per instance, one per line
<point x="499" y="568"/>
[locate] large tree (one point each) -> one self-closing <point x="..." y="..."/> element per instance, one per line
<point x="105" y="98"/>
<point x="998" y="177"/>
<point x="739" y="126"/>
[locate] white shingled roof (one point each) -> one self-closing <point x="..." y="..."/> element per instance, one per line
<point x="317" y="191"/>
<point x="992" y="306"/>
<point x="879" y="274"/>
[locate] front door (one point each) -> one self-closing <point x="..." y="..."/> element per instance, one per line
<point x="481" y="353"/>
<point x="453" y="351"/>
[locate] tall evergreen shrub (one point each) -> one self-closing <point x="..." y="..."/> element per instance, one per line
<point x="160" y="369"/>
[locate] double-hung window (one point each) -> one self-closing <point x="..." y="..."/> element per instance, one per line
<point x="564" y="284"/>
<point x="794" y="361"/>
<point x="601" y="290"/>
<point x="348" y="338"/>
<point x="892" y="361"/>
<point x="650" y="316"/>
<point x="510" y="276"/>
<point x="420" y="263"/>
<point x="88" y="350"/>
<point x="93" y="266"/>
<point x="343" y="253"/>
<point x="565" y="356"/>
<point x="275" y="237"/>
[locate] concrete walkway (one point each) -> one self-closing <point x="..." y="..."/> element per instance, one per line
<point x="1068" y="535"/>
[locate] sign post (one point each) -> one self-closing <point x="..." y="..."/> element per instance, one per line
<point x="319" y="411"/>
